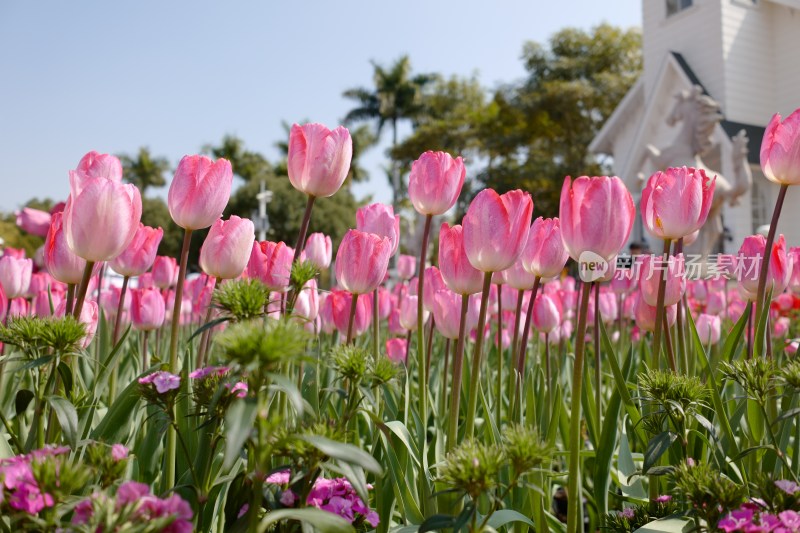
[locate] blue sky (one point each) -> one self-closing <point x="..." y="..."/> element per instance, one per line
<point x="175" y="75"/>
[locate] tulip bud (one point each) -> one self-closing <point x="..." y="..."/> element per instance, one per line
<point x="138" y="257"/>
<point x="33" y="221"/>
<point x="397" y="350"/>
<point x="318" y="159"/>
<point x="147" y="309"/>
<point x="165" y="272"/>
<point x="362" y="261"/>
<point x="435" y="181"/>
<point x="544" y="254"/>
<point x="15" y="275"/>
<point x="674" y="272"/>
<point x="271" y="262"/>
<point x="675" y="203"/>
<point x="380" y="220"/>
<point x="780" y="150"/>
<point x="496" y="229"/>
<point x="227" y="247"/>
<point x="319" y="250"/>
<point x="199" y="191"/>
<point x="406" y="266"/>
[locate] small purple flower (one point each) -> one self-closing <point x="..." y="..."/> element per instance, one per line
<point x="288" y="498"/>
<point x="202" y="373"/>
<point x="790" y="519"/>
<point x="789" y="487"/>
<point x="279" y="478"/>
<point x="83" y="512"/>
<point x="664" y="498"/>
<point x="736" y="520"/>
<point x="340" y="506"/>
<point x="163" y="381"/>
<point x="239" y="389"/>
<point x="130" y="492"/>
<point x="243" y="510"/>
<point x="628" y="513"/>
<point x="119" y="452"/>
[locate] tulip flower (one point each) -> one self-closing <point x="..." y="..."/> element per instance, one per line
<point x="140" y="254"/>
<point x="15" y="275"/>
<point x="90" y="315"/>
<point x="385" y="303"/>
<point x="270" y="262"/>
<point x="546" y="314"/>
<point x="348" y="322"/>
<point x="749" y="263"/>
<point x="435" y="283"/>
<point x="447" y="313"/>
<point x="780" y="150"/>
<point x="406" y="266"/>
<point x="408" y="313"/>
<point x="147" y="309"/>
<point x="496" y="228"/>
<point x="435" y="181"/>
<point x="307" y="304"/>
<point x="165" y="272"/>
<point x="675" y="203"/>
<point x="651" y="273"/>
<point x="380" y="220"/>
<point x="33" y="221"/>
<point x="646" y="314"/>
<point x="227" y="247"/>
<point x="362" y="261"/>
<point x="781" y="327"/>
<point x="397" y="350"/>
<point x="608" y="307"/>
<point x="97" y="165"/>
<point x="45" y="303"/>
<point x="319" y="250"/>
<point x="199" y="191"/>
<point x="319" y="159"/>
<point x="544" y="254"/>
<point x="708" y="328"/>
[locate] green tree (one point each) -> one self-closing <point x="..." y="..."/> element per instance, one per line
<point x="144" y="170"/>
<point x="396" y="96"/>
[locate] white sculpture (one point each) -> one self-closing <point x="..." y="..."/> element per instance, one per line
<point x="699" y="114"/>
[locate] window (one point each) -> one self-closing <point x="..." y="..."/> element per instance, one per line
<point x="676" y="6"/>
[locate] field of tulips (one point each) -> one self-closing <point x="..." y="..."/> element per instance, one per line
<point x="470" y="385"/>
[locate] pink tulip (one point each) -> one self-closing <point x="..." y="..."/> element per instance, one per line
<point x="41" y="281"/>
<point x="708" y="328"/>
<point x="362" y="261"/>
<point x="650" y="275"/>
<point x="327" y="324"/>
<point x="406" y="266"/>
<point x="496" y="229"/>
<point x="341" y="312"/>
<point x="517" y="278"/>
<point x="109" y="301"/>
<point x="785" y="302"/>
<point x="90" y="315"/>
<point x="697" y="289"/>
<point x="199" y="191"/>
<point x="781" y="327"/>
<point x="271" y="262"/>
<point x="380" y="220"/>
<point x="319" y="250"/>
<point x="145" y="281"/>
<point x="545" y="254"/>
<point x="715" y="304"/>
<point x="318" y="159"/>
<point x="596" y="215"/>
<point x="794" y="279"/>
<point x="385" y="303"/>
<point x="675" y="203"/>
<point x="147" y="309"/>
<point x="33" y="221"/>
<point x="227" y="247"/>
<point x="780" y="150"/>
<point x="307" y="304"/>
<point x="447" y="313"/>
<point x="623" y="281"/>
<point x="397" y="350"/>
<point x="408" y="313"/>
<point x="749" y="265"/>
<point x="165" y="272"/>
<point x="608" y="307"/>
<point x="138" y="257"/>
<point x="458" y="273"/>
<point x="434" y="282"/>
<point x="15" y="275"/>
<point x="102" y="214"/>
<point x="435" y="181"/>
<point x="42" y="303"/>
<point x="546" y="314"/>
<point x="646" y="314"/>
<point x="97" y="165"/>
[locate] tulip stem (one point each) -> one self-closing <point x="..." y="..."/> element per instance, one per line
<point x="476" y="358"/>
<point x="662" y="289"/>
<point x="112" y="382"/>
<point x="301" y="237"/>
<point x="682" y="355"/>
<point x="421" y="374"/>
<point x="205" y="338"/>
<point x="70" y="298"/>
<point x="376" y="330"/>
<point x="145" y="335"/>
<point x="458" y="362"/>
<point x="353" y="304"/>
<point x="523" y="347"/>
<point x="499" y="392"/>
<point x="172" y="443"/>
<point x="573" y="481"/>
<point x="598" y="376"/>
<point x="762" y="277"/>
<point x="82" y="289"/>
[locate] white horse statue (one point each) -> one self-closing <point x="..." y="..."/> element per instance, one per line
<point x="699" y="114"/>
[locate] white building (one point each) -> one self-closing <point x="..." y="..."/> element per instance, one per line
<point x="745" y="54"/>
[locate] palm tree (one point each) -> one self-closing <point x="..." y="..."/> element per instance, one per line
<point x="248" y="165"/>
<point x="395" y="97"/>
<point x="144" y="170"/>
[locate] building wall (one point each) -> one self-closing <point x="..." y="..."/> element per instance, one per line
<point x="786" y="45"/>
<point x="694" y="32"/>
<point x="747" y="42"/>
